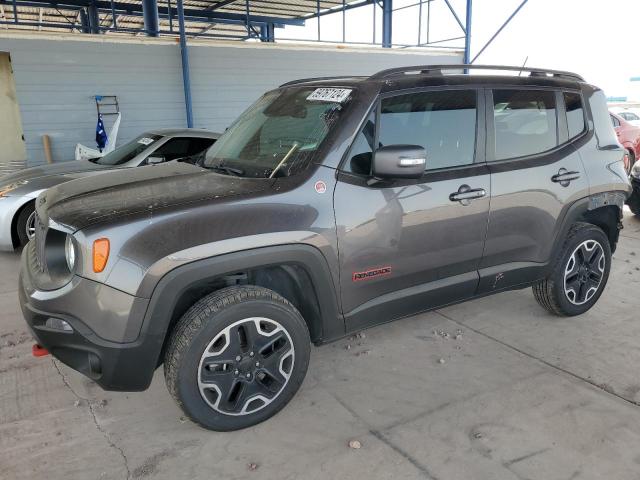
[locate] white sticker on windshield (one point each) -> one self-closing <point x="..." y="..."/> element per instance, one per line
<point x="338" y="95"/>
<point x="145" y="141"/>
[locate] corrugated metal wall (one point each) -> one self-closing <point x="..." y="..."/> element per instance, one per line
<point x="57" y="78"/>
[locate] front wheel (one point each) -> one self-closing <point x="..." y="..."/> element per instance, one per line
<point x="580" y="273"/>
<point x="237" y="357"/>
<point x="26" y="224"/>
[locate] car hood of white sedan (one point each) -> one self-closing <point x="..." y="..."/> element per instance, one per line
<point x="35" y="179"/>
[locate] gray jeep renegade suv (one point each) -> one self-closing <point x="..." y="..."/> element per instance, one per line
<point x="329" y="206"/>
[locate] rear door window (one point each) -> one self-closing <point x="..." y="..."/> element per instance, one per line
<point x="525" y="122"/>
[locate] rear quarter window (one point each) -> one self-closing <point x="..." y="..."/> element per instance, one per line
<point x="605" y="133"/>
<point x="575" y="113"/>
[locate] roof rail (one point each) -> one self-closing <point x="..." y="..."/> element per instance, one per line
<point x="438" y="70"/>
<point x="312" y="79"/>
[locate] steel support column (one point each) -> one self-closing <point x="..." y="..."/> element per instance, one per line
<point x="84" y="21"/>
<point x="150" y="15"/>
<point x="268" y="32"/>
<point x="94" y="19"/>
<point x="387" y="23"/>
<point x="184" y="52"/>
<point x="467" y="33"/>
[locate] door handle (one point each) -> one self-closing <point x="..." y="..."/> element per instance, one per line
<point x="564" y="177"/>
<point x="465" y="194"/>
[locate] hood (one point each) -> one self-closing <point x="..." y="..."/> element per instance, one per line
<point x="114" y="194"/>
<point x="45" y="176"/>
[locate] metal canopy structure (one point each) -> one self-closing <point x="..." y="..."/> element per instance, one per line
<point x="227" y="19"/>
<point x="240" y="20"/>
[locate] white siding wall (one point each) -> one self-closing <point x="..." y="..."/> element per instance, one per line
<point x="57" y="77"/>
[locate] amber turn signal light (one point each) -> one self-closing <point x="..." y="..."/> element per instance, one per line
<point x="100" y="254"/>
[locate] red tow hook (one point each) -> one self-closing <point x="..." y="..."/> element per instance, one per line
<point x="39" y="351"/>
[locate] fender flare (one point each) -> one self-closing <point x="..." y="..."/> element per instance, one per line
<point x="176" y="282"/>
<point x="580" y="211"/>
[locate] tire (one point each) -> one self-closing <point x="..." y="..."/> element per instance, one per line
<point x="634" y="202"/>
<point x="585" y="259"/>
<point x="25" y="220"/>
<point x="222" y="365"/>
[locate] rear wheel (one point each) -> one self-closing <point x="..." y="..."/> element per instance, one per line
<point x="237" y="357"/>
<point x="26" y="224"/>
<point x="580" y="273"/>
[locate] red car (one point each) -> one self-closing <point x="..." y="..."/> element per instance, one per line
<point x="629" y="138"/>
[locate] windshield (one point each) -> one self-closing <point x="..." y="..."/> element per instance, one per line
<point x="280" y="134"/>
<point x="129" y="150"/>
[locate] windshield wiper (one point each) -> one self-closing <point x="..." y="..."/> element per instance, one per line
<point x="228" y="170"/>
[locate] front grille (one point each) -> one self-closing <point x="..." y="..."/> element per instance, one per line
<point x="39" y="237"/>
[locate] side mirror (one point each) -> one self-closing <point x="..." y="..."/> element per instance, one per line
<point x="155" y="160"/>
<point x="399" y="161"/>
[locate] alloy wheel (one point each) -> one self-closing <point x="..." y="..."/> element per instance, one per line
<point x="584" y="272"/>
<point x="30" y="228"/>
<point x="246" y="366"/>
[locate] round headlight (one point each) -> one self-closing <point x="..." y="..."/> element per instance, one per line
<point x="70" y="252"/>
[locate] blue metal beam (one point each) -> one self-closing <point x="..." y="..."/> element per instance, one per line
<point x="150" y="15"/>
<point x="84" y="21"/>
<point x="94" y="19"/>
<point x="467" y="33"/>
<point x="268" y="33"/>
<point x="499" y="30"/>
<point x="387" y="23"/>
<point x="184" y="52"/>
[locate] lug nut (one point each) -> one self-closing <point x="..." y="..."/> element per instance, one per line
<point x="251" y="354"/>
<point x="248" y="375"/>
<point x="257" y="364"/>
<point x="236" y="372"/>
<point x="238" y="358"/>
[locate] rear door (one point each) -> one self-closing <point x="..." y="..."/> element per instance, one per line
<point x="536" y="173"/>
<point x="409" y="245"/>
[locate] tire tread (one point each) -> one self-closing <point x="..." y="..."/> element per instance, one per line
<point x="195" y="318"/>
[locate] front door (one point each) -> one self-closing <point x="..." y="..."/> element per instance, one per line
<point x="409" y="245"/>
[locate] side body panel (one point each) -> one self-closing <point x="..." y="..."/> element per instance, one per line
<point x="423" y="239"/>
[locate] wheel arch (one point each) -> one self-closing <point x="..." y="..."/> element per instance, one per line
<point x="603" y="210"/>
<point x="14" y="222"/>
<point x="299" y="273"/>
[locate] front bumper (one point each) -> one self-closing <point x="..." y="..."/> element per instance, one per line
<point x="114" y="365"/>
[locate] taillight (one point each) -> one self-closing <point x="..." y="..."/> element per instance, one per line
<point x="100" y="254"/>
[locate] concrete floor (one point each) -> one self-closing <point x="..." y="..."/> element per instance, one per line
<point x="521" y="395"/>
